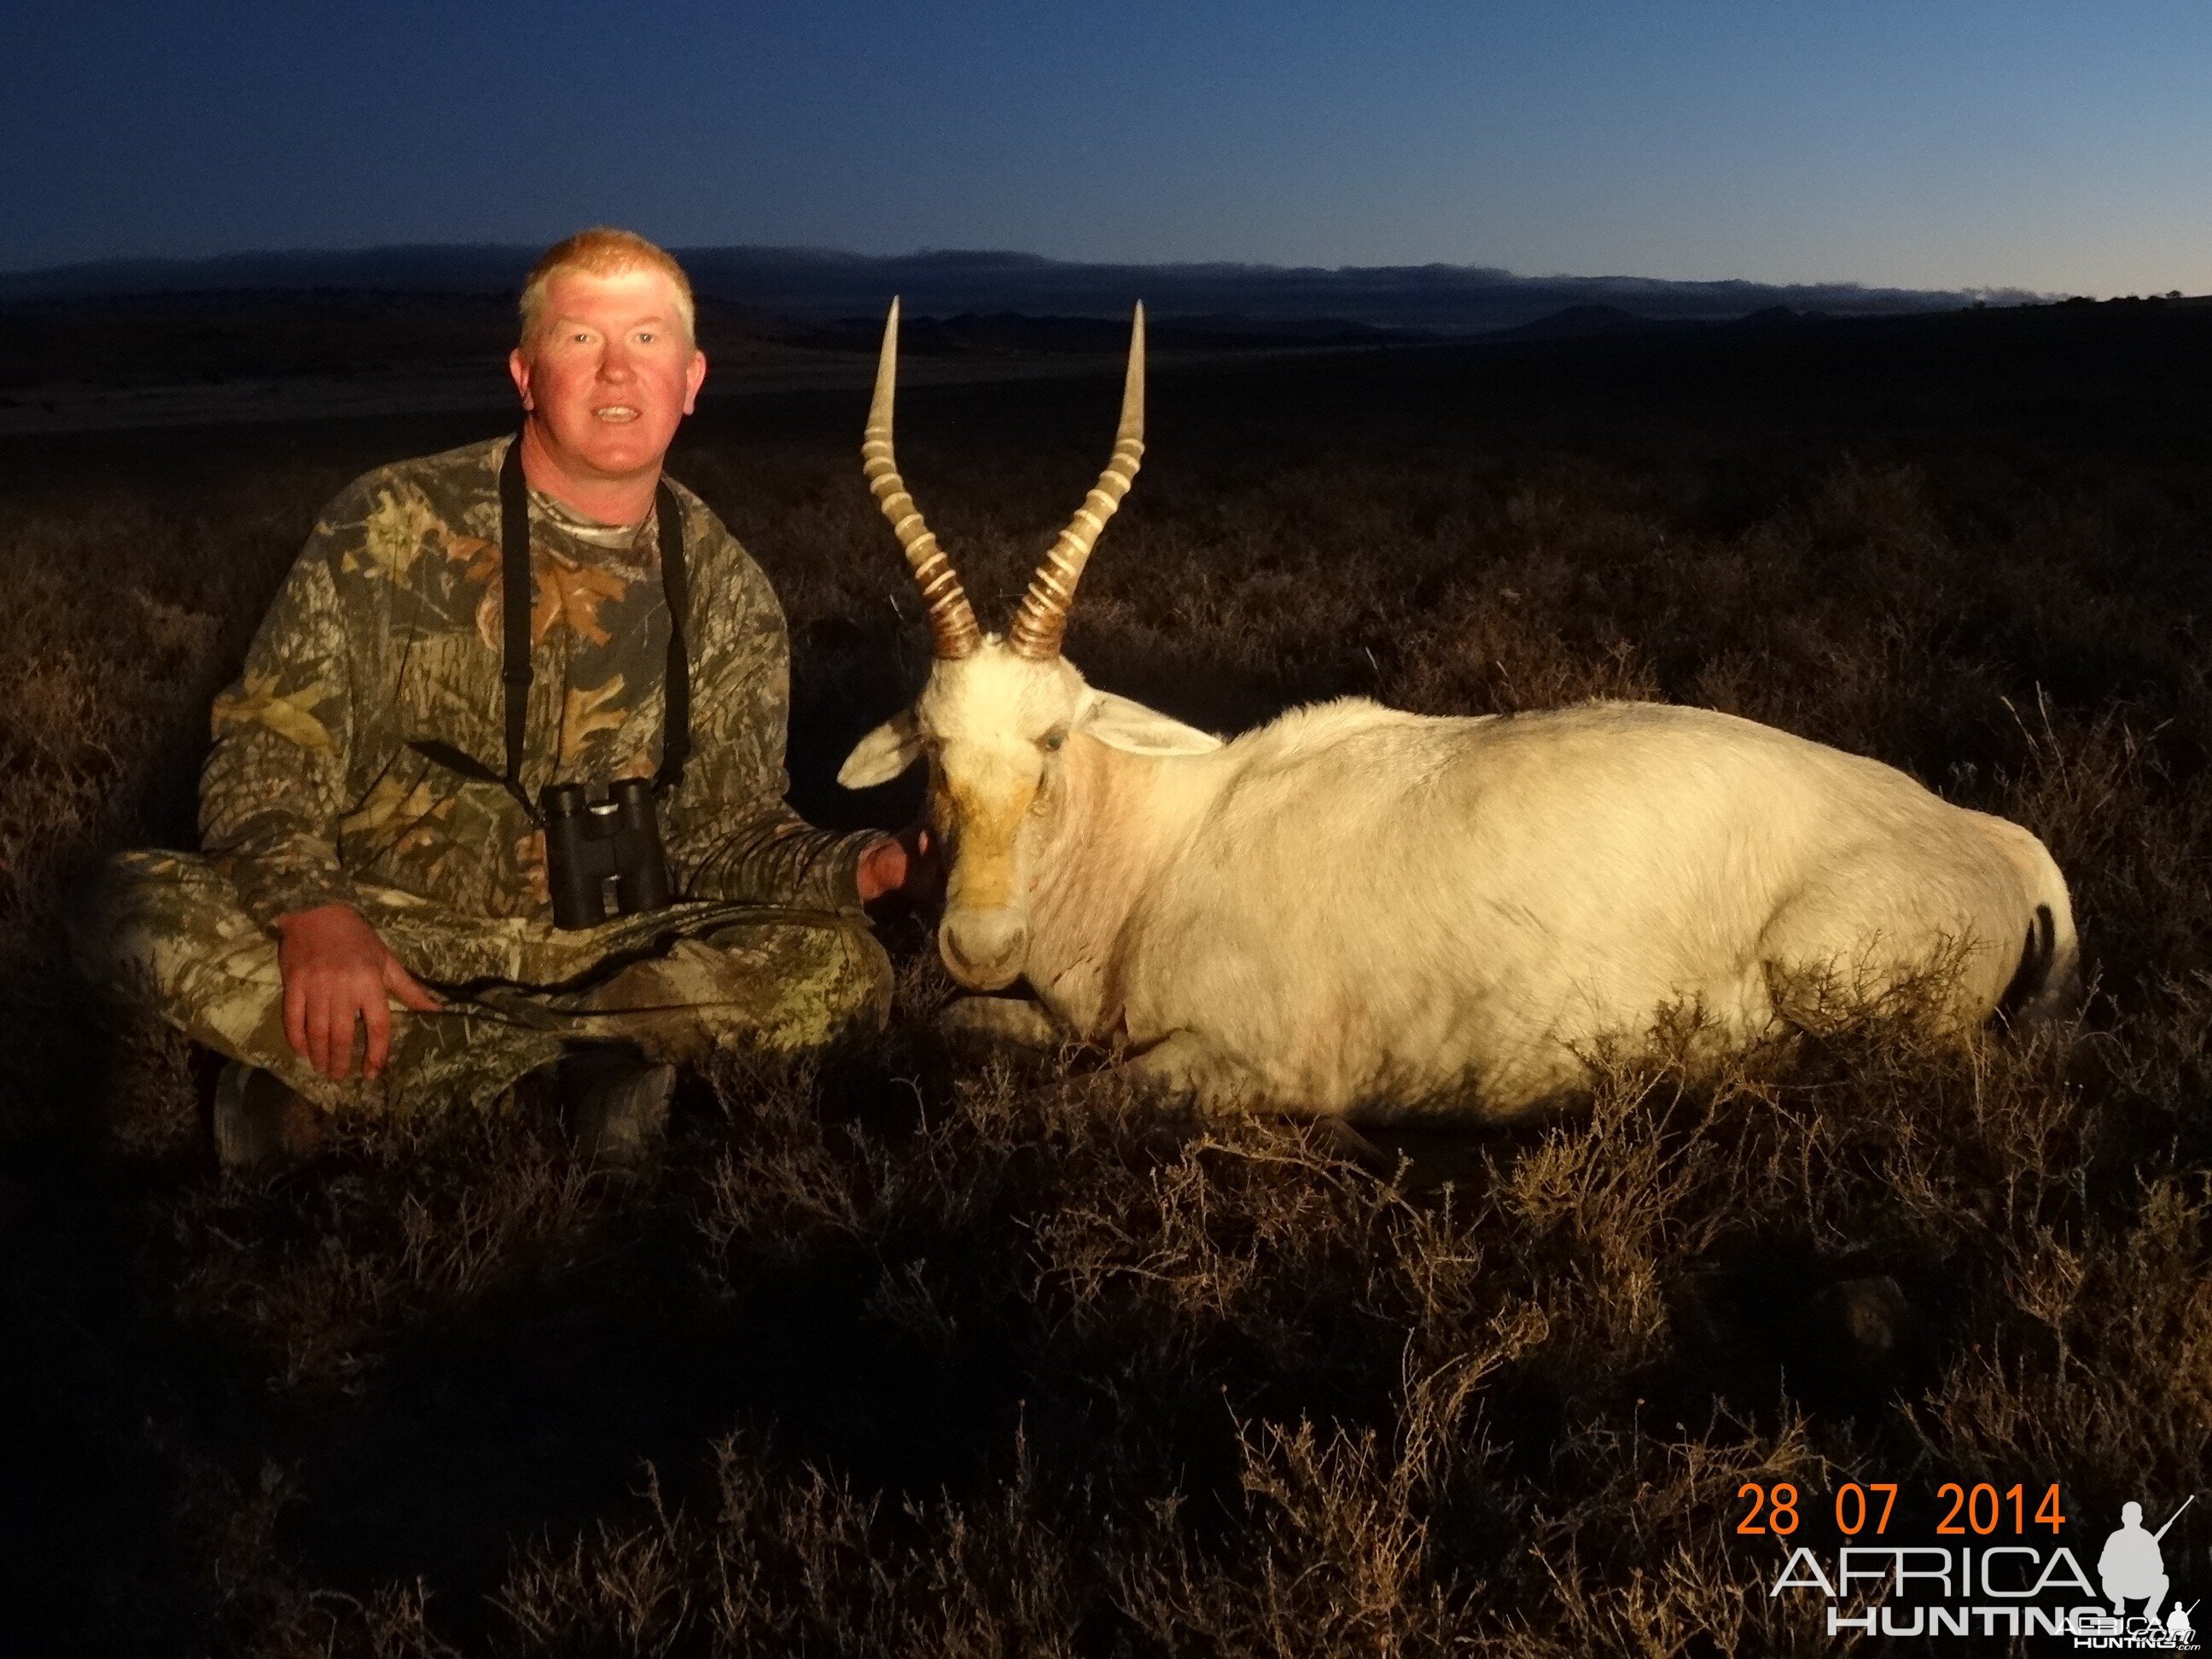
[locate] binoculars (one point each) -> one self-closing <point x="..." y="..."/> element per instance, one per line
<point x="603" y="857"/>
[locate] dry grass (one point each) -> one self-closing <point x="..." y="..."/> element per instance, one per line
<point x="896" y="1356"/>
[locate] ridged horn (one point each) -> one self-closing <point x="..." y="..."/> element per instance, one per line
<point x="951" y="619"/>
<point x="1042" y="619"/>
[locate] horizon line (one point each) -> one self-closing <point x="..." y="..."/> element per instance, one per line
<point x="2012" y="293"/>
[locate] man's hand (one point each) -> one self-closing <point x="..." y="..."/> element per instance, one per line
<point x="337" y="973"/>
<point x="905" y="863"/>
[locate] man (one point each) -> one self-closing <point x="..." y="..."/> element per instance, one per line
<point x="370" y="927"/>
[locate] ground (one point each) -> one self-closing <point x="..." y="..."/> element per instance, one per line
<point x="897" y="1355"/>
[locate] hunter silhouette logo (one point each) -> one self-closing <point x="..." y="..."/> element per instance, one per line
<point x="2132" y="1567"/>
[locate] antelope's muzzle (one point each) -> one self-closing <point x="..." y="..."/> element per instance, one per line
<point x="984" y="947"/>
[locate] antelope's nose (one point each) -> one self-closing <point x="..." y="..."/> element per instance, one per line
<point x="984" y="948"/>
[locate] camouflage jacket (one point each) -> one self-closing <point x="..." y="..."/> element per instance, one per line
<point x="387" y="631"/>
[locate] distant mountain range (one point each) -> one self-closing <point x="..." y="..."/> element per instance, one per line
<point x="816" y="286"/>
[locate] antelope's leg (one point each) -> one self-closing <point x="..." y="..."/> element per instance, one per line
<point x="1180" y="1065"/>
<point x="990" y="1023"/>
<point x="1174" y="1065"/>
<point x="1336" y="1133"/>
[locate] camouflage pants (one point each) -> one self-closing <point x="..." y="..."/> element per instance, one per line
<point x="164" y="931"/>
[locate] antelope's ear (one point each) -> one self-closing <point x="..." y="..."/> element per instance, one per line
<point x="884" y="753"/>
<point x="1119" y="723"/>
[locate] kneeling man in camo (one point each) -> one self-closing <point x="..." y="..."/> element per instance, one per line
<point x="373" y="924"/>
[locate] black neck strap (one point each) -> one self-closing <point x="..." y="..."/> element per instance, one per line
<point x="516" y="594"/>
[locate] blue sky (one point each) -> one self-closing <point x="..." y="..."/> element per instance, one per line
<point x="2058" y="147"/>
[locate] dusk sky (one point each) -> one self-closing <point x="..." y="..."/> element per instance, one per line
<point x="2063" y="148"/>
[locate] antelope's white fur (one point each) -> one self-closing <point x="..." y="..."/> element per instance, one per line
<point x="1356" y="910"/>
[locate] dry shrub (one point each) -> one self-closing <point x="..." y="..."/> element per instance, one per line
<point x="325" y="1273"/>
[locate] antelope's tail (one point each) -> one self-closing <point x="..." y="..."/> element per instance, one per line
<point x="2047" y="982"/>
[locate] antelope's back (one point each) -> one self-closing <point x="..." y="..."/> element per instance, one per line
<point x="1383" y="904"/>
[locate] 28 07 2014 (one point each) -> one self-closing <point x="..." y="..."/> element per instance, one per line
<point x="1978" y="1511"/>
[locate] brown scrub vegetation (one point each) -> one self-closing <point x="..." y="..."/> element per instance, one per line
<point x="894" y="1353"/>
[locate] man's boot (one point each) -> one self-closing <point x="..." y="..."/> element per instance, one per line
<point x="617" y="1104"/>
<point x="260" y="1122"/>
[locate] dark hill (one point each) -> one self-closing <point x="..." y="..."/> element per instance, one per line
<point x="819" y="286"/>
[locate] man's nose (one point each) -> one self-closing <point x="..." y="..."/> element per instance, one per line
<point x="614" y="363"/>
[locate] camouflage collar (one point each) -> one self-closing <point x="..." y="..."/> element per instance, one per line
<point x="620" y="538"/>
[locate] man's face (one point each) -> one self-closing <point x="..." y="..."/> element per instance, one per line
<point x="610" y="372"/>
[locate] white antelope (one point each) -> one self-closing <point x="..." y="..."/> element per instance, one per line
<point x="1352" y="910"/>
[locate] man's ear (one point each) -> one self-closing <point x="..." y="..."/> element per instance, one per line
<point x="1120" y="723"/>
<point x="882" y="754"/>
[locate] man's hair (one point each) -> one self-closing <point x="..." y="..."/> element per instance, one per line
<point x="602" y="251"/>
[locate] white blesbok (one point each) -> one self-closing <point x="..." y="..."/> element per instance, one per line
<point x="1352" y="910"/>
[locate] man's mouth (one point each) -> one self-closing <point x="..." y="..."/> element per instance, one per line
<point x="615" y="414"/>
